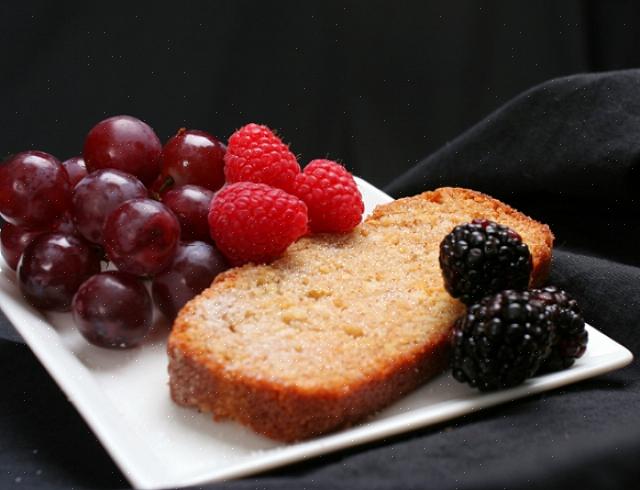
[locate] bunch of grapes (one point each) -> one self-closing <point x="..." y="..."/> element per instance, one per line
<point x="128" y="202"/>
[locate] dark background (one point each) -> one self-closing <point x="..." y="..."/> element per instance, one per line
<point x="375" y="84"/>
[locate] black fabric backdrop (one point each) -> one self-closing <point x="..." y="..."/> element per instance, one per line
<point x="566" y="152"/>
<point x="376" y="84"/>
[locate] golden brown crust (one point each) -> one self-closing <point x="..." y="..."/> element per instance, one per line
<point x="290" y="411"/>
<point x="541" y="249"/>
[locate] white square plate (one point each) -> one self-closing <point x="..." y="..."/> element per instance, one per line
<point x="123" y="396"/>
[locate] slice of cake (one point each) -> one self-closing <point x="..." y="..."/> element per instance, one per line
<point x="340" y="326"/>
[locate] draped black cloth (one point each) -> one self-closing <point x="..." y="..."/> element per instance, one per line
<point x="565" y="152"/>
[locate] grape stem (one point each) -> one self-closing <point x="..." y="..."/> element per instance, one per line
<point x="168" y="182"/>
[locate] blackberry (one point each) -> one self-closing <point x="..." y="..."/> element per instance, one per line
<point x="571" y="336"/>
<point x="501" y="341"/>
<point x="482" y="258"/>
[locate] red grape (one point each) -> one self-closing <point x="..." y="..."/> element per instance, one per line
<point x="65" y="224"/>
<point x="193" y="268"/>
<point x="13" y="240"/>
<point x="52" y="267"/>
<point x="124" y="143"/>
<point x="194" y="157"/>
<point x="76" y="170"/>
<point x="190" y="203"/>
<point x="113" y="309"/>
<point x="34" y="189"/>
<point x="97" y="195"/>
<point x="141" y="236"/>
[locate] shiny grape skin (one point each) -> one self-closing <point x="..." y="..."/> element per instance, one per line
<point x="76" y="170"/>
<point x="194" y="157"/>
<point x="13" y="241"/>
<point x="65" y="224"/>
<point x="113" y="309"/>
<point x="124" y="143"/>
<point x="190" y="204"/>
<point x="193" y="269"/>
<point x="97" y="195"/>
<point x="34" y="189"/>
<point x="141" y="236"/>
<point x="52" y="268"/>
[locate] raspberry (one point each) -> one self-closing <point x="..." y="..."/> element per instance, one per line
<point x="501" y="341"/>
<point x="256" y="154"/>
<point x="253" y="222"/>
<point x="331" y="195"/>
<point x="482" y="258"/>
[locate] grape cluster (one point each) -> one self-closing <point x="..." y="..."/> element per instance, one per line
<point x="127" y="200"/>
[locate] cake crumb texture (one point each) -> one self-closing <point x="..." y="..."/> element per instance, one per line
<point x="338" y="327"/>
